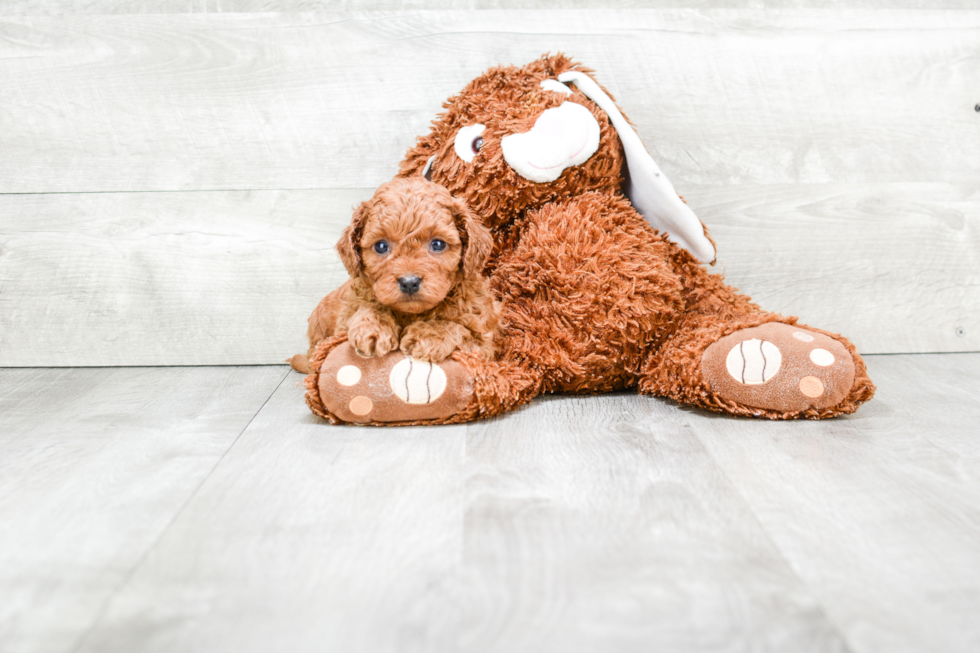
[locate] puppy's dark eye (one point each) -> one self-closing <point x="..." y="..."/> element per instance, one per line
<point x="477" y="144"/>
<point x="381" y="247"/>
<point x="437" y="245"/>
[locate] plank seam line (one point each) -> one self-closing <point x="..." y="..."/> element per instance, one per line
<point x="166" y="529"/>
<point x="820" y="604"/>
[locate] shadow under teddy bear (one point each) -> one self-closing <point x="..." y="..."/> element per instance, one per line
<point x="598" y="265"/>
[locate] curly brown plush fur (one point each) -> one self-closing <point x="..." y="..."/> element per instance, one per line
<point x="593" y="298"/>
<point x="411" y="229"/>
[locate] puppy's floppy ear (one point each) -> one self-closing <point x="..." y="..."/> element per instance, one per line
<point x="349" y="245"/>
<point x="477" y="241"/>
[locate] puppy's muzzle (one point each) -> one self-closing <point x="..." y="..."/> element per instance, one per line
<point x="409" y="284"/>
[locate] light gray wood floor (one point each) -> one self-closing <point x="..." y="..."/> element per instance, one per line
<point x="205" y="509"/>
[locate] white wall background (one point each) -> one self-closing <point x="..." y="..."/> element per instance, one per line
<point x="174" y="175"/>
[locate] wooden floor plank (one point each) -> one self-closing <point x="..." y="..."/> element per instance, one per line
<point x="798" y="136"/>
<point x="580" y="524"/>
<point x="308" y="538"/>
<point x="896" y="270"/>
<point x="94" y="466"/>
<point x="230" y="277"/>
<point x="98" y="7"/>
<point x="165" y="278"/>
<point x="332" y="99"/>
<point x="600" y="524"/>
<point x="878" y="513"/>
<point x="611" y="523"/>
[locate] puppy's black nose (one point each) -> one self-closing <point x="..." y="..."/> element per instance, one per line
<point x="409" y="284"/>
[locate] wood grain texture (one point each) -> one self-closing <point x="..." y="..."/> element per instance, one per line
<point x="894" y="267"/>
<point x="94" y="465"/>
<point x="604" y="526"/>
<point x="165" y="278"/>
<point x="589" y="524"/>
<point x="230" y="277"/>
<point x="879" y="513"/>
<point x="610" y="523"/>
<point x="76" y="7"/>
<point x="310" y="538"/>
<point x="333" y="100"/>
<point x="831" y="153"/>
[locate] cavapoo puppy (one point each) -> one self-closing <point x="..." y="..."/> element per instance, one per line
<point x="415" y="255"/>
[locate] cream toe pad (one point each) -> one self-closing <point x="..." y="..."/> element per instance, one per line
<point x="821" y="357"/>
<point x="348" y="375"/>
<point x="417" y="382"/>
<point x="753" y="362"/>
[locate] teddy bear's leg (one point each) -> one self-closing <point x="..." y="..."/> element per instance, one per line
<point x="729" y="357"/>
<point x="395" y="389"/>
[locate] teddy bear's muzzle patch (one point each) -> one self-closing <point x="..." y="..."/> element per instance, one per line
<point x="562" y="137"/>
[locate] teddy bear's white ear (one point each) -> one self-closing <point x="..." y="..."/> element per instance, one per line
<point x="652" y="194"/>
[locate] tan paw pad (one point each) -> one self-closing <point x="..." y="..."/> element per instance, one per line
<point x="360" y="405"/>
<point x="779" y="367"/>
<point x="811" y="386"/>
<point x="391" y="388"/>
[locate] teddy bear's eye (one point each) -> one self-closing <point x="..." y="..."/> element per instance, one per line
<point x="437" y="245"/>
<point x="468" y="141"/>
<point x="381" y="247"/>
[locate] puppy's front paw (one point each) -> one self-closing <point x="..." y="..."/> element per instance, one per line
<point x="372" y="340"/>
<point x="426" y="347"/>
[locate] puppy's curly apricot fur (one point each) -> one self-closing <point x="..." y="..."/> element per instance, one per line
<point x="416" y="256"/>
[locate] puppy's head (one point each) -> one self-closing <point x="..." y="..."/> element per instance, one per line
<point x="412" y="243"/>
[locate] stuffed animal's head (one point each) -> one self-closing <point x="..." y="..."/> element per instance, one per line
<point x="517" y="138"/>
<point x="412" y="243"/>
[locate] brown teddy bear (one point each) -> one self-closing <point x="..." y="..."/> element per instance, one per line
<point x="598" y="267"/>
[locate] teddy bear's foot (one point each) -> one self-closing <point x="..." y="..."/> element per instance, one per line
<point x="782" y="368"/>
<point x="391" y="388"/>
